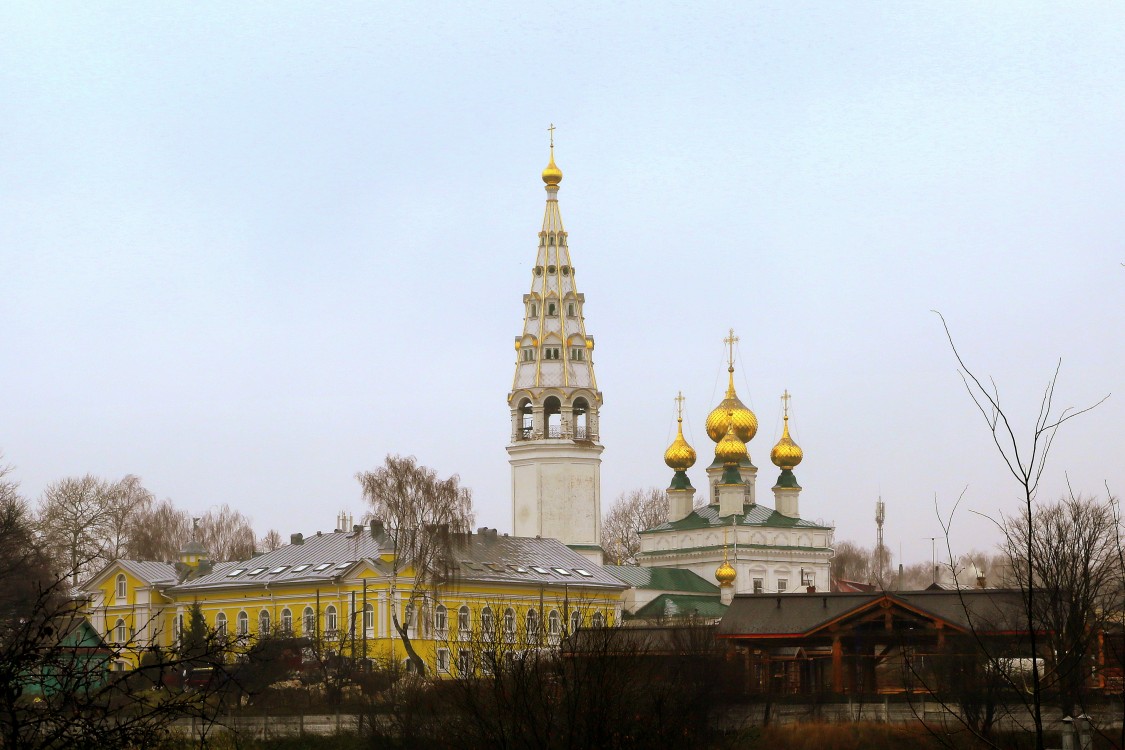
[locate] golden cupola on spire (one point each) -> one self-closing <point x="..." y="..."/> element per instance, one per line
<point x="552" y="175"/>
<point x="786" y="454"/>
<point x="680" y="456"/>
<point x="731" y="411"/>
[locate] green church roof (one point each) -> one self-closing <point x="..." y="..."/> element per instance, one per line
<point x="681" y="605"/>
<point x="752" y="515"/>
<point x="661" y="579"/>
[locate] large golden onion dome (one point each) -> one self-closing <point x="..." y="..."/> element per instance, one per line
<point x="680" y="456"/>
<point x="725" y="574"/>
<point x="730" y="449"/>
<point x="731" y="411"/>
<point x="552" y="175"/>
<point x="786" y="454"/>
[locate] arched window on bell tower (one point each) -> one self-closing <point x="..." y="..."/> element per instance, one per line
<point x="581" y="406"/>
<point x="552" y="416"/>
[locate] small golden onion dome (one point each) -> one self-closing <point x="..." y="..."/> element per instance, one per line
<point x="552" y="175"/>
<point x="730" y="449"/>
<point x="680" y="456"/>
<point x="725" y="574"/>
<point x="786" y="454"/>
<point x="731" y="411"/>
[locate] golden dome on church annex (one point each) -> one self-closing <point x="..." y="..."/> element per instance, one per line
<point x="725" y="573"/>
<point x="680" y="456"/>
<point x="786" y="454"/>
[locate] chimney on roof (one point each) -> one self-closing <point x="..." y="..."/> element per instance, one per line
<point x="376" y="528"/>
<point x="296" y="538"/>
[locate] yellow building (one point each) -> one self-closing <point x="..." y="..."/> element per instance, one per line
<point x="338" y="590"/>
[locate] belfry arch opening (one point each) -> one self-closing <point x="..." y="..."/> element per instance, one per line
<point x="580" y="408"/>
<point x="552" y="416"/>
<point x="526" y="424"/>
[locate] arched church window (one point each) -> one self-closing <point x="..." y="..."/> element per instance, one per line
<point x="550" y="308"/>
<point x="533" y="310"/>
<point x="577" y="353"/>
<point x="571" y="310"/>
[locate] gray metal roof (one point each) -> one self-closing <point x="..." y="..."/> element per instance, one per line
<point x="482" y="557"/>
<point x="796" y="614"/>
<point x="151" y="571"/>
<point x="335" y="548"/>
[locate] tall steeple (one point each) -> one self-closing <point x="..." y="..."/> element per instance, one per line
<point x="554" y="401"/>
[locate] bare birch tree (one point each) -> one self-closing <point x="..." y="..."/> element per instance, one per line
<point x="227" y="534"/>
<point x="271" y="541"/>
<point x="159" y="532"/>
<point x="423" y="515"/>
<point x="631" y="513"/>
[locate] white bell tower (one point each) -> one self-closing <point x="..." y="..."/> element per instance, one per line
<point x="555" y="451"/>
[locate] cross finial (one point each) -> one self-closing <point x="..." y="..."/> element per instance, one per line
<point x="679" y="406"/>
<point x="551" y="130"/>
<point x="785" y="402"/>
<point x="730" y="341"/>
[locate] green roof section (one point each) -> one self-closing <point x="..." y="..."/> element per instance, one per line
<point x="752" y="515"/>
<point x="731" y="476"/>
<point x="681" y="605"/>
<point x="788" y="479"/>
<point x="680" y="481"/>
<point x="662" y="579"/>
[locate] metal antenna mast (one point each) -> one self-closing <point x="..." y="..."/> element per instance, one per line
<point x="880" y="553"/>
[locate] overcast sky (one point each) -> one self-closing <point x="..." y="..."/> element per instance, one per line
<point x="247" y="250"/>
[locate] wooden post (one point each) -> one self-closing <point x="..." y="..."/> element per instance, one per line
<point x="837" y="665"/>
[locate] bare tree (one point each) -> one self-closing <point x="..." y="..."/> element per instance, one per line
<point x="126" y="501"/>
<point x="71" y="522"/>
<point x="422" y="515"/>
<point x="631" y="513"/>
<point x="1026" y="460"/>
<point x="271" y="541"/>
<point x="159" y="531"/>
<point x="227" y="534"/>
<point x="1073" y="563"/>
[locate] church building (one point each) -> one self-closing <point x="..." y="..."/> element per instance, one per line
<point x="555" y="455"/>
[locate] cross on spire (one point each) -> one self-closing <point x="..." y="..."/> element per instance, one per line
<point x="551" y="130"/>
<point x="730" y="341"/>
<point x="679" y="406"/>
<point x="785" y="402"/>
